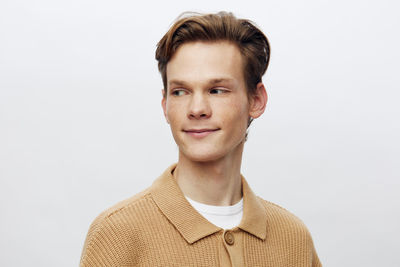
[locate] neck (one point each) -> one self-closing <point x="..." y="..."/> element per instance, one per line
<point x="216" y="182"/>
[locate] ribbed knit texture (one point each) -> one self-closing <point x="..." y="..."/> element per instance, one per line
<point x="158" y="227"/>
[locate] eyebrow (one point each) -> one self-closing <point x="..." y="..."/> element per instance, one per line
<point x="209" y="82"/>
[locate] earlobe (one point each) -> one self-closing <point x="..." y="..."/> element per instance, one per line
<point x="258" y="101"/>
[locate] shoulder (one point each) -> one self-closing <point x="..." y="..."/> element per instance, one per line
<point x="117" y="226"/>
<point x="281" y="219"/>
<point x="289" y="231"/>
<point x="123" y="206"/>
<point x="122" y="211"/>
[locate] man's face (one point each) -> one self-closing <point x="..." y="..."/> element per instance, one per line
<point x="206" y="103"/>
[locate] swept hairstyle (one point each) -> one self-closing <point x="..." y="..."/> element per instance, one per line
<point x="223" y="26"/>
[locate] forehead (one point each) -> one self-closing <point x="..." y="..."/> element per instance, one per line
<point x="203" y="61"/>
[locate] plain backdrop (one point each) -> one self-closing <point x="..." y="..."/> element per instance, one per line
<point x="81" y="126"/>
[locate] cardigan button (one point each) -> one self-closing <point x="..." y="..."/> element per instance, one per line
<point x="229" y="238"/>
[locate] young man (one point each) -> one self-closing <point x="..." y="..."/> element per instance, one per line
<point x="201" y="211"/>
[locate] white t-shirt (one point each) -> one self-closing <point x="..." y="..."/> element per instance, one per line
<point x="226" y="217"/>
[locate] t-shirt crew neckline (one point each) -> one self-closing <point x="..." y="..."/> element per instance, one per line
<point x="225" y="217"/>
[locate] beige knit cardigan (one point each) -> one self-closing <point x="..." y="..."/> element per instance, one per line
<point x="158" y="227"/>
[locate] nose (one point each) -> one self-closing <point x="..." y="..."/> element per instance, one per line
<point x="199" y="107"/>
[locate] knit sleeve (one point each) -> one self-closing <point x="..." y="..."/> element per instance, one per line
<point x="109" y="242"/>
<point x="315" y="259"/>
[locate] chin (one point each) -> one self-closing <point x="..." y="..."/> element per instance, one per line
<point x="203" y="155"/>
<point x="210" y="151"/>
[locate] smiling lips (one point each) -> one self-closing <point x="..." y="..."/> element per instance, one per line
<point x="200" y="133"/>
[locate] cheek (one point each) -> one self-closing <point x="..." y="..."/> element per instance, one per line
<point x="241" y="107"/>
<point x="173" y="111"/>
<point x="236" y="114"/>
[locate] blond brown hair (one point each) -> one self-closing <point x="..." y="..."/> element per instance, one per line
<point x="222" y="26"/>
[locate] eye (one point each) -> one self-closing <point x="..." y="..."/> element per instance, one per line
<point x="178" y="92"/>
<point x="218" y="91"/>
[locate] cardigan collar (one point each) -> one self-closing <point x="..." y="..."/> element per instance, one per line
<point x="191" y="225"/>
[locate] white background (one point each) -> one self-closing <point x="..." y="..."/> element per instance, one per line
<point x="81" y="126"/>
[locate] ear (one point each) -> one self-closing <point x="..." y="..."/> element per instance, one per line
<point x="258" y="101"/>
<point x="164" y="104"/>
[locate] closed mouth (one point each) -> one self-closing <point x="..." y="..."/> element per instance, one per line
<point x="200" y="130"/>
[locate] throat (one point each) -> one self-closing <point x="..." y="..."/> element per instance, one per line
<point x="209" y="184"/>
